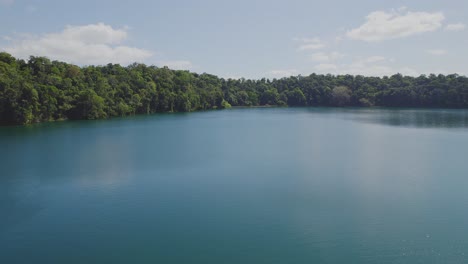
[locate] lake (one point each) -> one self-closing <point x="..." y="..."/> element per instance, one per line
<point x="259" y="185"/>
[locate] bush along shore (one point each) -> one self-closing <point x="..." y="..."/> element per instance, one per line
<point x="40" y="90"/>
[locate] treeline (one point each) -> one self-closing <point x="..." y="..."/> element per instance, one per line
<point x="43" y="90"/>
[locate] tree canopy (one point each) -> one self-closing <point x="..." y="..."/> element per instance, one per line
<point x="43" y="90"/>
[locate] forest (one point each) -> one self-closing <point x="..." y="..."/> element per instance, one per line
<point x="40" y="90"/>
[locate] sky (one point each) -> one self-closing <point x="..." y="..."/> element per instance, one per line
<point x="245" y="38"/>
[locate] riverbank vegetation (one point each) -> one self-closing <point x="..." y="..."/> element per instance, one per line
<point x="42" y="90"/>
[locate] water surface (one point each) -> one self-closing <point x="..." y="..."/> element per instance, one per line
<point x="276" y="185"/>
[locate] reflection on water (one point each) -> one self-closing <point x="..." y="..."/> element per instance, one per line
<point x="277" y="185"/>
<point x="415" y="118"/>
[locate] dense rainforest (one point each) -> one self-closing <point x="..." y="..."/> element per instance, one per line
<point x="43" y="90"/>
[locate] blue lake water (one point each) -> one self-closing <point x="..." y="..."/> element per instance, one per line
<point x="261" y="185"/>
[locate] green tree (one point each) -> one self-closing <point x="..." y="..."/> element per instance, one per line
<point x="88" y="105"/>
<point x="41" y="90"/>
<point x="341" y="96"/>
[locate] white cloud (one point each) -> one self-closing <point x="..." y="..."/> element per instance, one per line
<point x="309" y="44"/>
<point x="89" y="44"/>
<point x="375" y="66"/>
<point x="437" y="52"/>
<point x="177" y="64"/>
<point x="367" y="66"/>
<point x="307" y="40"/>
<point x="320" y="56"/>
<point x="283" y="73"/>
<point x="324" y="56"/>
<point x="378" y="70"/>
<point x="338" y="39"/>
<point x="373" y="59"/>
<point x="326" y="67"/>
<point x="381" y="25"/>
<point x="402" y="8"/>
<point x="455" y="27"/>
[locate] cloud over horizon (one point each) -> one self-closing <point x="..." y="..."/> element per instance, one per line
<point x="93" y="44"/>
<point x="283" y="73"/>
<point x="382" y="25"/>
<point x="367" y="66"/>
<point x="455" y="27"/>
<point x="310" y="44"/>
<point x="437" y="52"/>
<point x="326" y="56"/>
<point x="177" y="64"/>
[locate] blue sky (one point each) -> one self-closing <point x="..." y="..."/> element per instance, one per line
<point x="251" y="39"/>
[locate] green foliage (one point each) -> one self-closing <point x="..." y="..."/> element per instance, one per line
<point x="341" y="96"/>
<point x="225" y="104"/>
<point x="365" y="102"/>
<point x="296" y="97"/>
<point x="88" y="105"/>
<point x="43" y="90"/>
